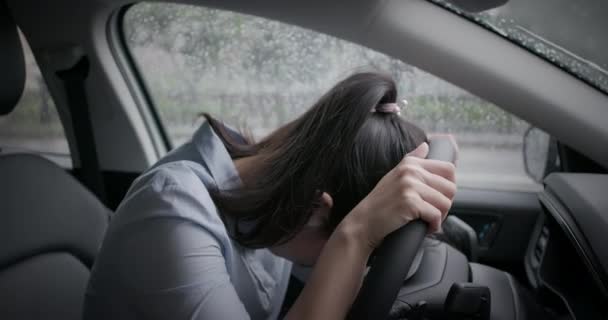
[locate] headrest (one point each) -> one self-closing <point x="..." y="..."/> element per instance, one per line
<point x="12" y="64"/>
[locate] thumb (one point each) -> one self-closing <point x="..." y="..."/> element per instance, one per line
<point x="420" y="152"/>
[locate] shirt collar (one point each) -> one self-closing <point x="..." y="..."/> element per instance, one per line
<point x="215" y="157"/>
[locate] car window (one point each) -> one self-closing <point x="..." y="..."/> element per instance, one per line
<point x="34" y="125"/>
<point x="258" y="74"/>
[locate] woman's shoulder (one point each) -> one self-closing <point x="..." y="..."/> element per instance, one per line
<point x="180" y="173"/>
<point x="177" y="190"/>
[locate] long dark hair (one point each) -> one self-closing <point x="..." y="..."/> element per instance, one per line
<point x="338" y="146"/>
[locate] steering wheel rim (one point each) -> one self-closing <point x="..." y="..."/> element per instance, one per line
<point x="392" y="261"/>
<point x="393" y="258"/>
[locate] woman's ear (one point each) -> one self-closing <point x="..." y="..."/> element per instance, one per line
<point x="326" y="200"/>
<point x="320" y="214"/>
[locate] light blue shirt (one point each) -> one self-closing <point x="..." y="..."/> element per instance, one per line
<point x="167" y="254"/>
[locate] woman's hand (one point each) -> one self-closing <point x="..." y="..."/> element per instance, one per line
<point x="415" y="188"/>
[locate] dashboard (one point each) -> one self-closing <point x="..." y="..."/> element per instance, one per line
<point x="567" y="261"/>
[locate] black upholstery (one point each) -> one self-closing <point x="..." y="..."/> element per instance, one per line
<point x="12" y="64"/>
<point x="51" y="227"/>
<point x="50" y="232"/>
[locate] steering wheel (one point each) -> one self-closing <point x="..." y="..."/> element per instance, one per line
<point x="394" y="257"/>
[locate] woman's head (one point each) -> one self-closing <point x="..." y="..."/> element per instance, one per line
<point x="322" y="163"/>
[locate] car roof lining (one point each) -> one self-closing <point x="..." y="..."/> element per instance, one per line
<point x="429" y="37"/>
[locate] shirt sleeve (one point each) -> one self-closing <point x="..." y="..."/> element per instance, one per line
<point x="172" y="267"/>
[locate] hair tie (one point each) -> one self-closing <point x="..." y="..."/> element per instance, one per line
<point x="387" y="108"/>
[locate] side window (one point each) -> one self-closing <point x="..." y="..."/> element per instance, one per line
<point x="258" y="74"/>
<point x="34" y="125"/>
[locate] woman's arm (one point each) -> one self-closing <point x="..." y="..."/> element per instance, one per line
<point x="336" y="278"/>
<point x="416" y="188"/>
<point x="161" y="258"/>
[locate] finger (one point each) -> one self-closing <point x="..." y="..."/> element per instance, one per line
<point x="439" y="183"/>
<point x="431" y="215"/>
<point x="441" y="168"/>
<point x="434" y="198"/>
<point x="420" y="152"/>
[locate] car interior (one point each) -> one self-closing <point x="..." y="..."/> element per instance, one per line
<point x="504" y="254"/>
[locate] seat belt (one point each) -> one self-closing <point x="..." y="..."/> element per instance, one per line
<point x="74" y="84"/>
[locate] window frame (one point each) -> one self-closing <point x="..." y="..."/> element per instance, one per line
<point x="136" y="84"/>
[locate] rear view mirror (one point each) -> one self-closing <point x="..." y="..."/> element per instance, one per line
<point x="539" y="152"/>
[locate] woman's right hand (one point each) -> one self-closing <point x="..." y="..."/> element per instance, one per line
<point x="417" y="188"/>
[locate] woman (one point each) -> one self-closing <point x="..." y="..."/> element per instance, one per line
<point x="211" y="230"/>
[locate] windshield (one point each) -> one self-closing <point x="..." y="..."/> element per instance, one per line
<point x="569" y="33"/>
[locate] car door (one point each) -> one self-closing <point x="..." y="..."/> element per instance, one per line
<point x="503" y="221"/>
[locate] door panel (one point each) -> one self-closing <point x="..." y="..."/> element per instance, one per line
<point x="503" y="221"/>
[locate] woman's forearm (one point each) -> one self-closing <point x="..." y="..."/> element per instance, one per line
<point x="336" y="277"/>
